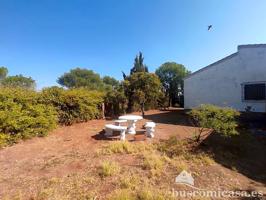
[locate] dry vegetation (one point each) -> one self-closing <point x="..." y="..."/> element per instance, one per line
<point x="69" y="168"/>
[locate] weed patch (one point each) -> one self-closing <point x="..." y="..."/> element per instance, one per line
<point x="108" y="168"/>
<point x="140" y="194"/>
<point x="125" y="147"/>
<point x="130" y="181"/>
<point x="172" y="147"/>
<point x="154" y="163"/>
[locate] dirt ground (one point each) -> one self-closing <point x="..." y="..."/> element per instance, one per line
<point x="70" y="152"/>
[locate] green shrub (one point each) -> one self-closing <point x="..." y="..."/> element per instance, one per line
<point x="22" y="117"/>
<point x="221" y="120"/>
<point x="75" y="105"/>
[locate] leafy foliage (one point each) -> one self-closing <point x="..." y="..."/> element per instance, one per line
<point x="3" y="72"/>
<point x="22" y="117"/>
<point x="144" y="88"/>
<point x="221" y="120"/>
<point x="171" y="75"/>
<point x="75" y="105"/>
<point x="115" y="101"/>
<point x="108" y="80"/>
<point x="78" y="77"/>
<point x="26" y="113"/>
<point x="19" y="81"/>
<point x="139" y="65"/>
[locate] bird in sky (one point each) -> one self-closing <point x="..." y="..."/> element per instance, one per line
<point x="209" y="27"/>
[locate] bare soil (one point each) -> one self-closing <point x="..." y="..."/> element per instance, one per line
<point x="70" y="154"/>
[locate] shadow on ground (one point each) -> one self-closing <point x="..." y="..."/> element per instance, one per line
<point x="171" y="116"/>
<point x="101" y="136"/>
<point x="140" y="136"/>
<point x="244" y="153"/>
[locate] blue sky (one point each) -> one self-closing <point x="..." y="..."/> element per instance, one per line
<point x="44" y="39"/>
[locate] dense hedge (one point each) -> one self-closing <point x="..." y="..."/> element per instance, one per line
<point x="22" y="116"/>
<point x="75" y="105"/>
<point x="26" y="113"/>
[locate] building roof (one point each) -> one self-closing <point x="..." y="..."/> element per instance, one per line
<point x="207" y="67"/>
<point x="251" y="46"/>
<point x="227" y="57"/>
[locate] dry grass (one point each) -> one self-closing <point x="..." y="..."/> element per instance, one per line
<point x="173" y="147"/>
<point x="124" y="194"/>
<point x="108" y="168"/>
<point x="183" y="150"/>
<point x="154" y="163"/>
<point x="75" y="186"/>
<point x="124" y="147"/>
<point x="129" y="181"/>
<point x="141" y="194"/>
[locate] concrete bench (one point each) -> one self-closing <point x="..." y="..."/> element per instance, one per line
<point x="119" y="121"/>
<point x="150" y="129"/>
<point x="109" y="128"/>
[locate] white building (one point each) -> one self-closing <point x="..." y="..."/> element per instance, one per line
<point x="236" y="81"/>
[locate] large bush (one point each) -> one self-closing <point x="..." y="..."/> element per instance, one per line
<point x="76" y="105"/>
<point x="221" y="120"/>
<point x="115" y="101"/>
<point x="22" y="117"/>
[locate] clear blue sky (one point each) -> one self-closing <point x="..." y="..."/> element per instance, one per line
<point x="44" y="39"/>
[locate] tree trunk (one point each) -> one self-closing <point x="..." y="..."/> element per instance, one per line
<point x="129" y="105"/>
<point x="170" y="100"/>
<point x="103" y="111"/>
<point x="142" y="109"/>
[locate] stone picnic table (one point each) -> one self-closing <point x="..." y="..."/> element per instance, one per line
<point x="131" y="119"/>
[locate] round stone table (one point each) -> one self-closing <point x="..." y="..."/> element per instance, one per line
<point x="131" y="119"/>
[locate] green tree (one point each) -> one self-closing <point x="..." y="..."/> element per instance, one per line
<point x="145" y="88"/>
<point x="19" y="81"/>
<point x="3" y="72"/>
<point x="139" y="65"/>
<point x="171" y="75"/>
<point x="108" y="80"/>
<point x="78" y="77"/>
<point x="115" y="101"/>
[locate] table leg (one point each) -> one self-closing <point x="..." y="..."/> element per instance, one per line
<point x="123" y="135"/>
<point x="131" y="127"/>
<point x="150" y="132"/>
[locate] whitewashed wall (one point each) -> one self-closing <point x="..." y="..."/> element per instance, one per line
<point x="220" y="83"/>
